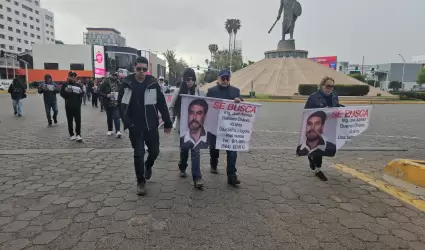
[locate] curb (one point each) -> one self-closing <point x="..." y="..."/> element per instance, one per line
<point x="411" y="171"/>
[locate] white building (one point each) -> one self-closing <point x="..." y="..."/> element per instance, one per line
<point x="418" y="59"/>
<point x="62" y="57"/>
<point x="23" y="23"/>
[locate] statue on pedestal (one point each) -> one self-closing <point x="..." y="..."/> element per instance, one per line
<point x="291" y="11"/>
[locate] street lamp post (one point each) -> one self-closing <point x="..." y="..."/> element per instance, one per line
<point x="404" y="66"/>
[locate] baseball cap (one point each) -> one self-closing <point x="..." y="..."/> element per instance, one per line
<point x="224" y="72"/>
<point x="72" y="74"/>
<point x="47" y="76"/>
<point x="161" y="78"/>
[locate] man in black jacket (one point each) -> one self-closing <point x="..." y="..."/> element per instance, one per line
<point x="140" y="98"/>
<point x="223" y="90"/>
<point x="73" y="93"/>
<point x="49" y="89"/>
<point x="109" y="91"/>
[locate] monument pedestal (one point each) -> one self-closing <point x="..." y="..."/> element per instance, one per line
<point x="286" y="48"/>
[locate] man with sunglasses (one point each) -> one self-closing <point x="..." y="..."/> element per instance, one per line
<point x="140" y="98"/>
<point x="223" y="90"/>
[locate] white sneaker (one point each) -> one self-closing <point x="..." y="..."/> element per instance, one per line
<point x="73" y="138"/>
<point x="109" y="133"/>
<point x="118" y="134"/>
<point x="79" y="139"/>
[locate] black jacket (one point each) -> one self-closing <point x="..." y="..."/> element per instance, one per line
<point x="228" y="93"/>
<point x="17" y="91"/>
<point x="151" y="110"/>
<point x="72" y="100"/>
<point x="105" y="89"/>
<point x="49" y="96"/>
<point x="317" y="100"/>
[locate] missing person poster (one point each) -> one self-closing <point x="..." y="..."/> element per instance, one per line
<point x="325" y="131"/>
<point x="224" y="124"/>
<point x="168" y="98"/>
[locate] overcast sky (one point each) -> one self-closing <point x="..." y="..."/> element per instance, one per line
<point x="349" y="29"/>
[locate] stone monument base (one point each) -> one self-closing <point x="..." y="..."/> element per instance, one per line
<point x="286" y="48"/>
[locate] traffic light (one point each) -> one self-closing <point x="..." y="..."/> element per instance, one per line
<point x="2" y="53"/>
<point x="373" y="70"/>
<point x="198" y="67"/>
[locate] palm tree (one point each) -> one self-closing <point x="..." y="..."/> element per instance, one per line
<point x="213" y="49"/>
<point x="170" y="56"/>
<point x="228" y="25"/>
<point x="236" y="26"/>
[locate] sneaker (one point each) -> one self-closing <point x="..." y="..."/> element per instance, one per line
<point x="50" y="124"/>
<point x="233" y="180"/>
<point x="148" y="173"/>
<point x="312" y="166"/>
<point x="79" y="139"/>
<point x="15" y="113"/>
<point x="55" y="120"/>
<point x="119" y="134"/>
<point x="198" y="183"/>
<point x="73" y="138"/>
<point x="109" y="133"/>
<point x="141" y="188"/>
<point x="214" y="170"/>
<point x="183" y="174"/>
<point x="19" y="115"/>
<point x="321" y="176"/>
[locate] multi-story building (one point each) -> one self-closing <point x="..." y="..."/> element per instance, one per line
<point x="23" y="23"/>
<point x="104" y="36"/>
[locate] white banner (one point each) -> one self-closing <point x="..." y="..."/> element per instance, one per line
<point x="325" y="131"/>
<point x="99" y="61"/>
<point x="206" y="121"/>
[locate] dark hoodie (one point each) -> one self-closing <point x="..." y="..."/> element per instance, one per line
<point x="72" y="100"/>
<point x="140" y="102"/>
<point x="49" y="96"/>
<point x="17" y="90"/>
<point x="188" y="72"/>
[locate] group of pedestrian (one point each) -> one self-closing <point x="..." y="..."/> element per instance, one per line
<point x="136" y="101"/>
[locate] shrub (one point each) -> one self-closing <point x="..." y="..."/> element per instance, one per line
<point x="410" y="95"/>
<point x="379" y="94"/>
<point x="341" y="89"/>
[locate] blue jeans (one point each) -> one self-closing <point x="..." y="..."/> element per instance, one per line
<point x="51" y="106"/>
<point x="231" y="160"/>
<point x="17" y="106"/>
<point x="195" y="159"/>
<point x="113" y="114"/>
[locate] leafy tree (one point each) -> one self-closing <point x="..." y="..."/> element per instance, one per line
<point x="395" y="85"/>
<point x="213" y="48"/>
<point x="250" y="62"/>
<point x="210" y="76"/>
<point x="236" y="26"/>
<point x="420" y="77"/>
<point x="359" y="77"/>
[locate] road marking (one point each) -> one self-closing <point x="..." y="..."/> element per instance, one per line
<point x="385" y="187"/>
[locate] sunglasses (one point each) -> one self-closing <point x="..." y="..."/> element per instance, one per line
<point x="329" y="86"/>
<point x="190" y="79"/>
<point x="225" y="78"/>
<point x="140" y="69"/>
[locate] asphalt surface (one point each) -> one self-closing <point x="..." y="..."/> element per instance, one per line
<point x="58" y="194"/>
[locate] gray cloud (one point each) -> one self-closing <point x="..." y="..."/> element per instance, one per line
<point x="377" y="29"/>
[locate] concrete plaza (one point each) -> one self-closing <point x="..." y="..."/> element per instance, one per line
<point x="58" y="194"/>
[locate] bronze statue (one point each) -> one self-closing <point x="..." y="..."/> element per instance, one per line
<point x="291" y="11"/>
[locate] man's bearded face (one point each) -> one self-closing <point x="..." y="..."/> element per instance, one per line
<point x="314" y="128"/>
<point x="196" y="117"/>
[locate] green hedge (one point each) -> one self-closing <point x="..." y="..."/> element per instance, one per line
<point x="410" y="95"/>
<point x="341" y="89"/>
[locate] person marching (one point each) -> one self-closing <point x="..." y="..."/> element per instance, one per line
<point x="325" y="97"/>
<point x="188" y="87"/>
<point x="49" y="89"/>
<point x="223" y="90"/>
<point x="140" y="98"/>
<point x="109" y="91"/>
<point x="95" y="94"/>
<point x="73" y="93"/>
<point x="17" y="92"/>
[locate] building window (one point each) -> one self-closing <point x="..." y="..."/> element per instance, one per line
<point x="16" y="3"/>
<point x="18" y="31"/>
<point x="47" y="32"/>
<point x="32" y="35"/>
<point x="8" y="1"/>
<point x="31" y="18"/>
<point x="16" y="12"/>
<point x="26" y="8"/>
<point x="19" y="49"/>
<point x="49" y="18"/>
<point x="9" y="9"/>
<point x="76" y="66"/>
<point x="37" y="28"/>
<point x="18" y="22"/>
<point x="51" y="26"/>
<point x="24" y="15"/>
<point x="1" y="6"/>
<point x="51" y="65"/>
<point x="19" y="40"/>
<point x="36" y="12"/>
<point x="48" y="39"/>
<point x="9" y="19"/>
<point x="1" y="16"/>
<point x="25" y="33"/>
<point x="26" y="41"/>
<point x="47" y="25"/>
<point x="2" y="46"/>
<point x="10" y="28"/>
<point x="37" y="20"/>
<point x="25" y="24"/>
<point x="38" y="37"/>
<point x="2" y="36"/>
<point x="10" y="38"/>
<point x="32" y="26"/>
<point x="1" y="26"/>
<point x="11" y="47"/>
<point x="36" y="3"/>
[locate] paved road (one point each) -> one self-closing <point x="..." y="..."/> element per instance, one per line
<point x="64" y="199"/>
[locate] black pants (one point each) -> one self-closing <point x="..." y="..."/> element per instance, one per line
<point x="315" y="161"/>
<point x="94" y="100"/>
<point x="138" y="138"/>
<point x="74" y="113"/>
